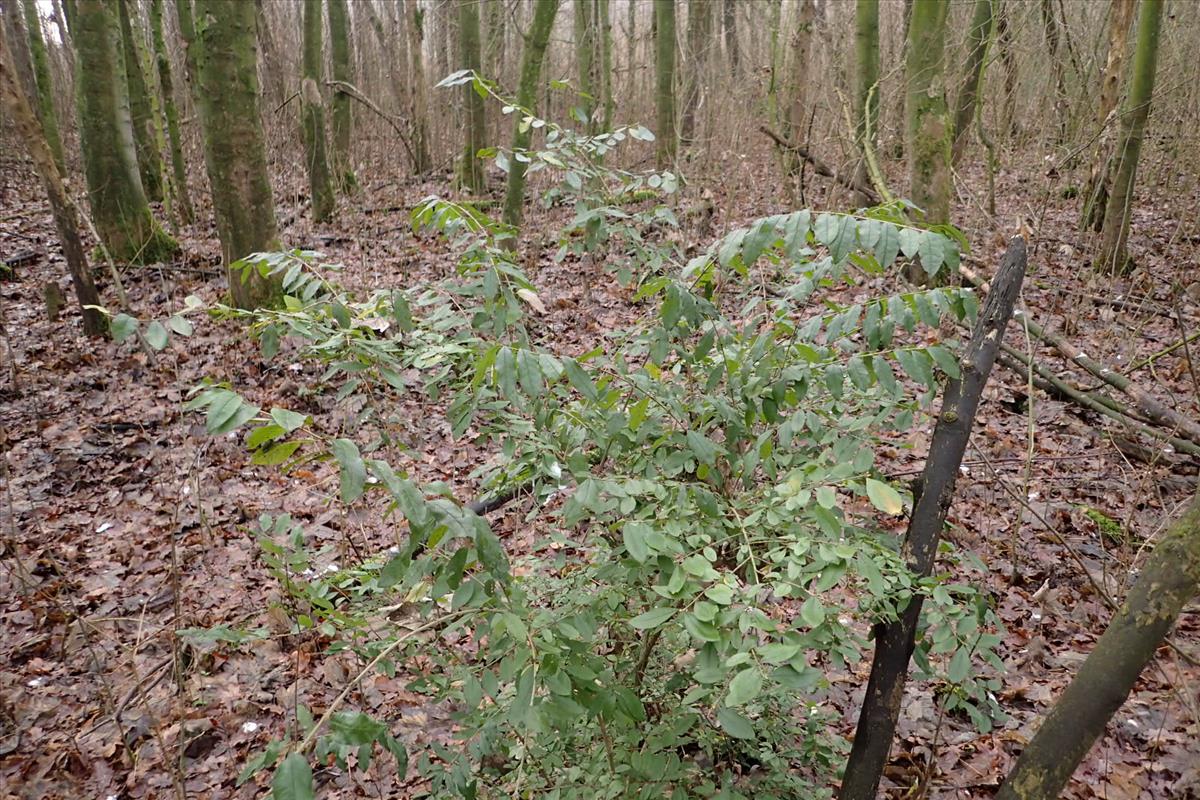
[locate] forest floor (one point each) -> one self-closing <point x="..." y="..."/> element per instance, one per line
<point x="123" y="521"/>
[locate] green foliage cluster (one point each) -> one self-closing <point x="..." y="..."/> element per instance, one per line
<point x="703" y="485"/>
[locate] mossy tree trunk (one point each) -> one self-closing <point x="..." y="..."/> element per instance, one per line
<point x="532" y="56"/>
<point x="699" y="44"/>
<point x="866" y="82"/>
<point x="928" y="129"/>
<point x="471" y="168"/>
<point x="664" y="88"/>
<point x="418" y="99"/>
<point x="312" y="114"/>
<point x="1168" y="581"/>
<point x="166" y="82"/>
<point x="1120" y="19"/>
<point x="66" y="217"/>
<point x="343" y="71"/>
<point x="191" y="48"/>
<point x="1114" y="255"/>
<point x="141" y="110"/>
<point x="978" y="38"/>
<point x="235" y="150"/>
<point x="46" y="113"/>
<point x="119" y="208"/>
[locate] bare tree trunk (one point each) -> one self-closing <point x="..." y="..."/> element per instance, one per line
<point x="1005" y="44"/>
<point x="312" y="106"/>
<point x="866" y="84"/>
<point x="799" y="77"/>
<point x="141" y="112"/>
<point x="66" y="216"/>
<point x="343" y="71"/>
<point x="929" y="124"/>
<point x="471" y="173"/>
<point x="418" y="113"/>
<point x="1050" y="26"/>
<point x="46" y="113"/>
<point x="978" y="38"/>
<point x="729" y="23"/>
<point x="171" y="112"/>
<point x="1120" y="19"/>
<point x="699" y="43"/>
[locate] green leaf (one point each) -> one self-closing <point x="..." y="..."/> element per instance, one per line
<point x="263" y="434"/>
<point x="228" y="412"/>
<point x="293" y="780"/>
<point x="356" y="728"/>
<point x="156" y="335"/>
<point x="812" y="612"/>
<point x="288" y="420"/>
<point x="884" y="497"/>
<point x="636" y="535"/>
<point x="960" y="666"/>
<point x="652" y="618"/>
<point x="735" y="724"/>
<point x="181" y="325"/>
<point x="910" y="241"/>
<point x="888" y="246"/>
<point x="931" y="248"/>
<point x="744" y="687"/>
<point x="353" y="471"/>
<point x="277" y="454"/>
<point x="826" y="496"/>
<point x="580" y="379"/>
<point x="122" y="327"/>
<point x="945" y="360"/>
<point x="705" y="449"/>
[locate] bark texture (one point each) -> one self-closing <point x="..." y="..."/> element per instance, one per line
<point x="978" y="39"/>
<point x="312" y="114"/>
<point x="418" y="102"/>
<point x="343" y="71"/>
<point x="929" y="127"/>
<point x="532" y="56"/>
<point x="699" y="44"/>
<point x="183" y="198"/>
<point x="235" y="152"/>
<point x="471" y="168"/>
<point x="46" y="113"/>
<point x="866" y="83"/>
<point x="1120" y="19"/>
<point x="664" y="87"/>
<point x="1114" y="255"/>
<point x="118" y="203"/>
<point x="141" y="109"/>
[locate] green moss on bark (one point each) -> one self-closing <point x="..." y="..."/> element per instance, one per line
<point x="343" y="118"/>
<point x="929" y="126"/>
<point x="119" y="207"/>
<point x="46" y="113"/>
<point x="235" y="152"/>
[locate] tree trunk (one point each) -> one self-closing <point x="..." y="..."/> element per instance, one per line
<point x="699" y="42"/>
<point x="1050" y="26"/>
<point x="191" y="48"/>
<point x="46" y="113"/>
<point x="978" y="38"/>
<point x="664" y="89"/>
<point x="418" y="100"/>
<point x="1004" y="43"/>
<point x="1120" y="18"/>
<point x="471" y="173"/>
<point x="171" y="112"/>
<point x="894" y="641"/>
<point x="234" y="147"/>
<point x="799" y="77"/>
<point x="64" y="36"/>
<point x="1114" y="256"/>
<point x="929" y="125"/>
<point x="532" y="55"/>
<point x="145" y="137"/>
<point x="66" y="216"/>
<point x="118" y="203"/>
<point x="343" y="71"/>
<point x="608" y="104"/>
<point x="866" y="84"/>
<point x="729" y="23"/>
<point x="312" y="111"/>
<point x="493" y="57"/>
<point x="273" y="69"/>
<point x="1169" y="580"/>
<point x="586" y="52"/>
